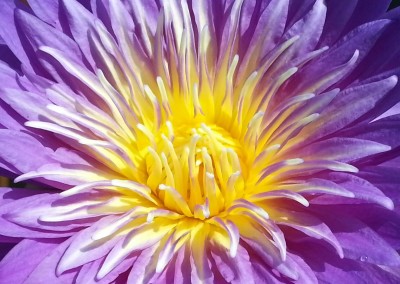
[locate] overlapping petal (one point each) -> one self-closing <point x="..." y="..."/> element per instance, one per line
<point x="200" y="141"/>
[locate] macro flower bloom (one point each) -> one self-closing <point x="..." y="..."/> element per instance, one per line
<point x="204" y="141"/>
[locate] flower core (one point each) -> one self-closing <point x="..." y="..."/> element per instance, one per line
<point x="195" y="169"/>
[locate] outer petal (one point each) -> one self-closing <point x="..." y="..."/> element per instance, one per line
<point x="350" y="105"/>
<point x="330" y="269"/>
<point x="364" y="13"/>
<point x="38" y="33"/>
<point x="46" y="10"/>
<point x="360" y="242"/>
<point x="140" y="268"/>
<point x="12" y="230"/>
<point x="48" y="267"/>
<point x="24" y="258"/>
<point x="234" y="270"/>
<point x="362" y="39"/>
<point x="343" y="149"/>
<point x="20" y="154"/>
<point x="363" y="191"/>
<point x="385" y="130"/>
<point x="310" y="29"/>
<point x="8" y="57"/>
<point x="83" y="249"/>
<point x="10" y="35"/>
<point x="21" y="218"/>
<point x="385" y="222"/>
<point x="29" y="105"/>
<point x="88" y="272"/>
<point x="338" y="16"/>
<point x="79" y="20"/>
<point x="8" y="76"/>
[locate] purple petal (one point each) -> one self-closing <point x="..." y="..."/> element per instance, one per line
<point x="330" y="269"/>
<point x="29" y="105"/>
<point x="234" y="270"/>
<point x="88" y="272"/>
<point x="10" y="198"/>
<point x="361" y="40"/>
<point x="41" y="34"/>
<point x="8" y="57"/>
<point x="338" y="16"/>
<point x="361" y="243"/>
<point x="38" y="33"/>
<point x="311" y="226"/>
<point x="270" y="258"/>
<point x="83" y="249"/>
<point x="8" y="76"/>
<point x="23" y="259"/>
<point x="10" y="118"/>
<point x="262" y="273"/>
<point x="48" y="267"/>
<point x="306" y="274"/>
<point x="351" y="104"/>
<point x="8" y="32"/>
<point x="182" y="269"/>
<point x="8" y="195"/>
<point x="21" y="218"/>
<point x="344" y="149"/>
<point x="46" y="10"/>
<point x="140" y="268"/>
<point x="364" y="13"/>
<point x="386" y="179"/>
<point x="362" y="189"/>
<point x="21" y="151"/>
<point x="384" y="131"/>
<point x="80" y="21"/>
<point x="273" y="17"/>
<point x="309" y="28"/>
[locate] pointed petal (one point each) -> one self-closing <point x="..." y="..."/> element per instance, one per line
<point x="83" y="249"/>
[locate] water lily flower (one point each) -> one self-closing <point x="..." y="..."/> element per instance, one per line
<point x="203" y="141"/>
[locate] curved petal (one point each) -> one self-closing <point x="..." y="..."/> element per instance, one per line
<point x="361" y="243"/>
<point x="48" y="267"/>
<point x="24" y="258"/>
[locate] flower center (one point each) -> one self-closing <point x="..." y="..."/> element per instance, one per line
<point x="195" y="169"/>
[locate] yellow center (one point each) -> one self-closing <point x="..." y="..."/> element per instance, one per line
<point x="195" y="168"/>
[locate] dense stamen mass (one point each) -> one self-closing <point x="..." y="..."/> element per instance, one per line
<point x="198" y="165"/>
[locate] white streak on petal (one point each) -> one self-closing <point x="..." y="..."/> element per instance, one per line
<point x="233" y="233"/>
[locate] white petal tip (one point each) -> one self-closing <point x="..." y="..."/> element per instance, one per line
<point x="353" y="170"/>
<point x="62" y="267"/>
<point x="18" y="179"/>
<point x="305" y="203"/>
<point x="101" y="274"/>
<point x="21" y="178"/>
<point x="388" y="204"/>
<point x="160" y="267"/>
<point x="233" y="252"/>
<point x="66" y="193"/>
